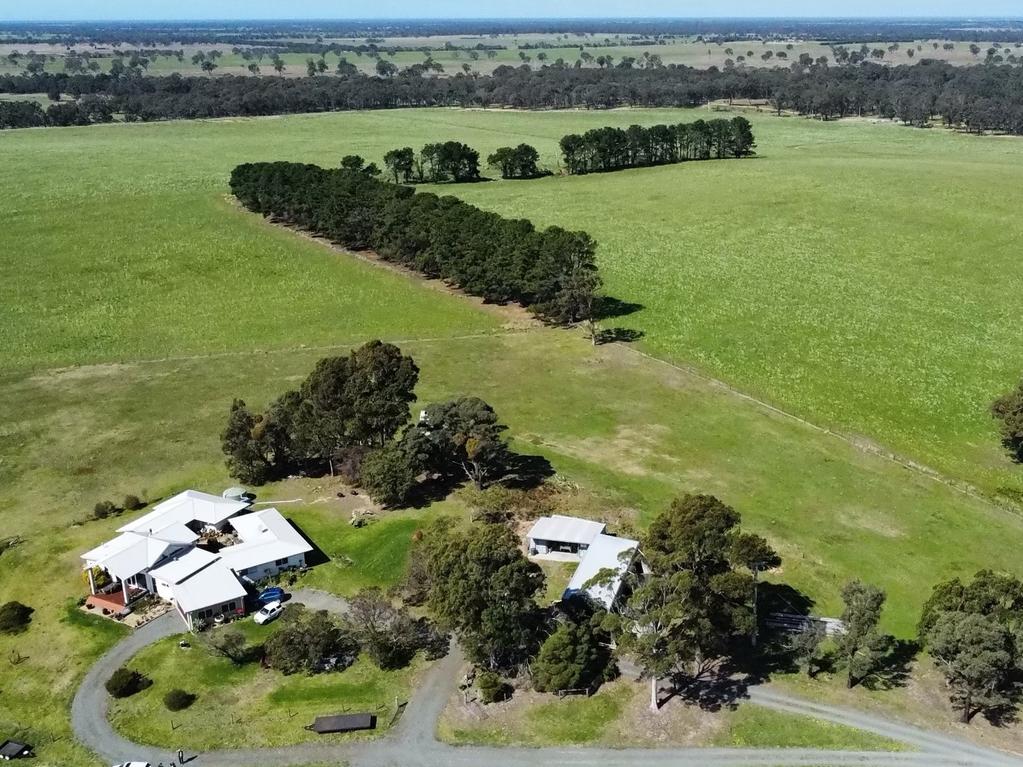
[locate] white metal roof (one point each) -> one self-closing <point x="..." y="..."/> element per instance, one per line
<point x="605" y="552"/>
<point x="266" y="537"/>
<point x="186" y="507"/>
<point x="179" y="568"/>
<point x="128" y="554"/>
<point x="565" y="529"/>
<point x="212" y="585"/>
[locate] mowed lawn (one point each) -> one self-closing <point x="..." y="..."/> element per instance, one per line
<point x="272" y="709"/>
<point x="120" y="246"/>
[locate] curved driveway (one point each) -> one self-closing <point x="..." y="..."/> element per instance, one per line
<point x="412" y="742"/>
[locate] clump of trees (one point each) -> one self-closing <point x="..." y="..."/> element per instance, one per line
<point x="390" y="635"/>
<point x="552" y="272"/>
<point x="126" y="682"/>
<point x="361" y="399"/>
<point x="606" y="149"/>
<point x="478" y="583"/>
<point x="516" y="161"/>
<point x="436" y="163"/>
<point x="697" y="607"/>
<point x="973" y="633"/>
<point x="576" y="656"/>
<point x="351" y="416"/>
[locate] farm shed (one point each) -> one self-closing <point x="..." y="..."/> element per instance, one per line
<point x="562" y="537"/>
<point x="606" y="553"/>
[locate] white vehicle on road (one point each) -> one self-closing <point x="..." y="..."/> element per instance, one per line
<point x="133" y="764"/>
<point x="268" y="612"/>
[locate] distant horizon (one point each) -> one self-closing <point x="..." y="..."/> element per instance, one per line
<point x="1018" y="16"/>
<point x="178" y="11"/>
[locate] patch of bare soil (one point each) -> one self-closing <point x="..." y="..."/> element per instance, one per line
<point x="675" y="724"/>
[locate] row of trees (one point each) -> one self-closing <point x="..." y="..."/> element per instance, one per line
<point x="978" y="98"/>
<point x="552" y="272"/>
<point x="29" y="114"/>
<point x="605" y="149"/>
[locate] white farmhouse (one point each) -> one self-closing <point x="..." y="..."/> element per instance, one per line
<point x="161" y="553"/>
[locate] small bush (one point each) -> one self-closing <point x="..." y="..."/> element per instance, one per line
<point x="492" y="688"/>
<point x="14" y="617"/>
<point x="178" y="699"/>
<point x="125" y="682"/>
<point x="103" y="509"/>
<point x="132" y="503"/>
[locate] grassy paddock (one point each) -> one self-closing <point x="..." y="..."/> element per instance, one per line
<point x="904" y="336"/>
<point x="247" y="706"/>
<point x="772" y="274"/>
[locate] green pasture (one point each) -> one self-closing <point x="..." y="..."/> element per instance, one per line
<point x="860" y="275"/>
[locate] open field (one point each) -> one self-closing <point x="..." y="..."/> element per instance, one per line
<point x="902" y="333"/>
<point x="147" y="260"/>
<point x="691" y="53"/>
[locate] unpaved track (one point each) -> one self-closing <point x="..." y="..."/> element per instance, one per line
<point x="412" y="742"/>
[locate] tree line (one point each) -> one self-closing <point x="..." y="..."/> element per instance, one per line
<point x="605" y="149"/>
<point x="552" y="272"/>
<point x="978" y="98"/>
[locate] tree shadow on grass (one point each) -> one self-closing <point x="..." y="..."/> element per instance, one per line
<point x="618" y="335"/>
<point x="525" y="472"/>
<point x="609" y="308"/>
<point x="893" y="670"/>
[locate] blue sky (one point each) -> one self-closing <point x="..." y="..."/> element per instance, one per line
<point x="55" y="10"/>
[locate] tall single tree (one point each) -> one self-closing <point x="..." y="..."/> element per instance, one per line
<point x="973" y="652"/>
<point x="698" y="605"/>
<point x="861" y="645"/>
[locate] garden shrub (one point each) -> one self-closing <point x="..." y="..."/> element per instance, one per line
<point x="125" y="682"/>
<point x="14" y="617"/>
<point x="178" y="699"/>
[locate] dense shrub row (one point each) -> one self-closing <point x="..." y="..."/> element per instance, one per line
<point x="552" y="272"/>
<point x="982" y="97"/>
<point x="603" y="149"/>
